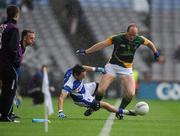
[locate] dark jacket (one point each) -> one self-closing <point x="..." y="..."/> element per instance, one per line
<point x="10" y="51"/>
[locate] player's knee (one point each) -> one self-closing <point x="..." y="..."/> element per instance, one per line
<point x="101" y="90"/>
<point x="95" y="105"/>
<point x="131" y="94"/>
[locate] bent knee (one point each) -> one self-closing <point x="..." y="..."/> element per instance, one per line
<point x="95" y="105"/>
<point x="101" y="90"/>
<point x="130" y="94"/>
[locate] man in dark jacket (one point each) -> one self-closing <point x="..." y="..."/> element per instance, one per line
<point x="10" y="59"/>
<point x="27" y="39"/>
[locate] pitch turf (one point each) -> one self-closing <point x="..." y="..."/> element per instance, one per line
<point x="162" y="120"/>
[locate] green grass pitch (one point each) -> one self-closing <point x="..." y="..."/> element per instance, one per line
<point x="162" y="120"/>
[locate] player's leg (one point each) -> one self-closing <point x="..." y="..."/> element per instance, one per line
<point x="96" y="105"/>
<point x="119" y="113"/>
<point x="108" y="107"/>
<point x="90" y="88"/>
<point x="92" y="107"/>
<point x="128" y="86"/>
<point x="106" y="80"/>
<point x="103" y="85"/>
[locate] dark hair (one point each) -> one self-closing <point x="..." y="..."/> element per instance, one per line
<point x="25" y="32"/>
<point x="131" y="25"/>
<point x="12" y="11"/>
<point x="77" y="70"/>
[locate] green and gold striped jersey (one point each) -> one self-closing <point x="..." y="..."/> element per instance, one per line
<point x="124" y="50"/>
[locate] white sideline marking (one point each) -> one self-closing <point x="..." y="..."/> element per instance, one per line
<point x="109" y="122"/>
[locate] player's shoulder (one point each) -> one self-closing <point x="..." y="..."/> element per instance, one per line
<point x="68" y="81"/>
<point x="67" y="75"/>
<point x="141" y="37"/>
<point x="118" y="36"/>
<point x="69" y="71"/>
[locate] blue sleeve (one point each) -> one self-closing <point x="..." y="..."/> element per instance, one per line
<point x="67" y="89"/>
<point x="67" y="75"/>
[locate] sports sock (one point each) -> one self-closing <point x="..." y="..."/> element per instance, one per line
<point x="98" y="97"/>
<point x="125" y="102"/>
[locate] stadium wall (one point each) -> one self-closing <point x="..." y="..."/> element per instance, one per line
<point x="159" y="90"/>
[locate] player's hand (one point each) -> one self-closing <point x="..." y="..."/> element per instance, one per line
<point x="156" y="55"/>
<point x="100" y="70"/>
<point x="61" y="115"/>
<point x="80" y="52"/>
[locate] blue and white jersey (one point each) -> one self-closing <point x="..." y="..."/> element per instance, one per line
<point x="73" y="86"/>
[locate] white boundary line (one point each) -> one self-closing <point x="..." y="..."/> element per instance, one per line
<point x="109" y="122"/>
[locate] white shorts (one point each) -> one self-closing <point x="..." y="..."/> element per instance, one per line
<point x="117" y="70"/>
<point x="90" y="89"/>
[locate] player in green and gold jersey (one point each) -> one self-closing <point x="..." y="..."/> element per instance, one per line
<point x="120" y="63"/>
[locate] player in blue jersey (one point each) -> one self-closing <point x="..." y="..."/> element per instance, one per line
<point x="83" y="94"/>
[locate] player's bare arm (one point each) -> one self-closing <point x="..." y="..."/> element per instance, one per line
<point x="62" y="96"/>
<point x="89" y="68"/>
<point x="98" y="46"/>
<point x="95" y="69"/>
<point x="152" y="46"/>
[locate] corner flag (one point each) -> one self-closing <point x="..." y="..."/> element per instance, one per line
<point x="47" y="95"/>
<point x="48" y="106"/>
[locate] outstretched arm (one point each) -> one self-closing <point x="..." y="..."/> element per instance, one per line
<point x="96" y="69"/>
<point x="152" y="46"/>
<point x="97" y="47"/>
<point x="62" y="96"/>
<point x="154" y="49"/>
<point x="89" y="68"/>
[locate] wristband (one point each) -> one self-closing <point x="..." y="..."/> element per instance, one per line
<point x="60" y="111"/>
<point x="93" y="69"/>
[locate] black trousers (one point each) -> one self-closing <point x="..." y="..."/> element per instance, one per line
<point x="9" y="77"/>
